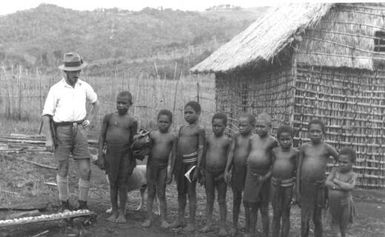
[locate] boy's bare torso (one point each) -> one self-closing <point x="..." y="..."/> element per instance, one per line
<point x="216" y="154"/>
<point x="119" y="129"/>
<point x="188" y="139"/>
<point x="241" y="150"/>
<point x="285" y="163"/>
<point x="259" y="158"/>
<point x="315" y="158"/>
<point x="162" y="146"/>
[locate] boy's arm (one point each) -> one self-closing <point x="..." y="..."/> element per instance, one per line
<point x="298" y="183"/>
<point x="230" y="156"/>
<point x="333" y="152"/>
<point x="201" y="146"/>
<point x="347" y="186"/>
<point x="329" y="180"/>
<point x="102" y="140"/>
<point x="171" y="160"/>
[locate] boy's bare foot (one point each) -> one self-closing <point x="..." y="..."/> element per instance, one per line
<point x="222" y="232"/>
<point x="164" y="224"/>
<point x="176" y="224"/>
<point x="189" y="228"/>
<point x="206" y="228"/>
<point x="121" y="219"/>
<point x="113" y="217"/>
<point x="146" y="223"/>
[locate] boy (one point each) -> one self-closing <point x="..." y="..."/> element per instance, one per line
<point x="157" y="163"/>
<point x="257" y="184"/>
<point x="283" y="176"/>
<point x="341" y="182"/>
<point x="313" y="158"/>
<point x="214" y="164"/>
<point x="117" y="134"/>
<point x="190" y="142"/>
<point x="236" y="164"/>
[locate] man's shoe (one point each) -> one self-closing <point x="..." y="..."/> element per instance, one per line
<point x="65" y="206"/>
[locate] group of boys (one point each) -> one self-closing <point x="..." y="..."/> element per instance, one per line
<point x="253" y="162"/>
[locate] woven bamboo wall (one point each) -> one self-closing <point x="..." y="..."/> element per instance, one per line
<point x="351" y="103"/>
<point x="271" y="91"/>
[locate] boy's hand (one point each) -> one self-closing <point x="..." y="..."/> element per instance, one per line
<point x="195" y="174"/>
<point x="169" y="177"/>
<point x="227" y="177"/>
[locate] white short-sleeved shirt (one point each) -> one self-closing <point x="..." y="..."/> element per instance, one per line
<point x="66" y="103"/>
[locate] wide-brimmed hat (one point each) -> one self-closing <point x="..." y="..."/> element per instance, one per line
<point x="72" y="62"/>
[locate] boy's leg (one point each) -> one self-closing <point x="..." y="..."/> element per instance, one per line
<point x="317" y="219"/>
<point x="222" y="189"/>
<point x="237" y="199"/>
<point x="247" y="216"/>
<point x="253" y="217"/>
<point x="114" y="201"/>
<point x="286" y="205"/>
<point x="305" y="219"/>
<point x="151" y="177"/>
<point x="122" y="190"/>
<point x="264" y="207"/>
<point x="181" y="202"/>
<point x="210" y="196"/>
<point x="192" y="197"/>
<point x="276" y="202"/>
<point x="161" y="193"/>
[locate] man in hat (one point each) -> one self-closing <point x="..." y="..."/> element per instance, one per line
<point x="66" y="122"/>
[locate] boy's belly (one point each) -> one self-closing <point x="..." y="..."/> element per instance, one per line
<point x="259" y="162"/>
<point x="283" y="170"/>
<point x="313" y="169"/>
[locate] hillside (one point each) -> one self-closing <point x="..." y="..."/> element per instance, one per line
<point x="38" y="37"/>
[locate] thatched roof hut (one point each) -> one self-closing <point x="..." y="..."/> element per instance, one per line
<point x="312" y="60"/>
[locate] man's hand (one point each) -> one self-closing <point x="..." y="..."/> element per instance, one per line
<point x="49" y="146"/>
<point x="86" y="124"/>
<point x="227" y="177"/>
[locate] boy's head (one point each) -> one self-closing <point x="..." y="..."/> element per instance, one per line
<point x="123" y="102"/>
<point x="192" y="110"/>
<point x="246" y="123"/>
<point x="346" y="159"/>
<point x="219" y="123"/>
<point x="316" y="130"/>
<point x="285" y="136"/>
<point x="164" y="120"/>
<point x="263" y="124"/>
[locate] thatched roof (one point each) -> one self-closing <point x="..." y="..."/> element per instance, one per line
<point x="265" y="38"/>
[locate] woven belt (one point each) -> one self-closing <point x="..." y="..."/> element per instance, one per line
<point x="69" y="123"/>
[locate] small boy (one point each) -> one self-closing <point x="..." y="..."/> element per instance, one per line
<point x="313" y="158"/>
<point x="190" y="142"/>
<point x="341" y="182"/>
<point x="257" y="184"/>
<point x="236" y="164"/>
<point x="157" y="163"/>
<point x="214" y="164"/>
<point x="283" y="176"/>
<point x="117" y="134"/>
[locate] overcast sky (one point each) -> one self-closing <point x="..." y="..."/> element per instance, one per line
<point x="11" y="6"/>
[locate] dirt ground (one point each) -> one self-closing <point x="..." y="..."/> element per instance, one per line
<point x="22" y="183"/>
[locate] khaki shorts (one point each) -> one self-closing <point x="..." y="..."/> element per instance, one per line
<point x="71" y="139"/>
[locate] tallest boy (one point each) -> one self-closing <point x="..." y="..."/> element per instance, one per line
<point x="66" y="121"/>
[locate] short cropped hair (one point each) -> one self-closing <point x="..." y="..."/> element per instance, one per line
<point x="350" y="153"/>
<point x="265" y="117"/>
<point x="285" y="128"/>
<point x="125" y="94"/>
<point x="319" y="122"/>
<point x="250" y="117"/>
<point x="221" y="116"/>
<point x="195" y="106"/>
<point x="165" y="112"/>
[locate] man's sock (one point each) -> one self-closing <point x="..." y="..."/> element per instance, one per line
<point x="62" y="185"/>
<point x="84" y="186"/>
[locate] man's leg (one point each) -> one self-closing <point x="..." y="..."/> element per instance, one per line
<point x="84" y="182"/>
<point x="62" y="184"/>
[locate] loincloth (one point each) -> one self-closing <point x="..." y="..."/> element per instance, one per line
<point x="341" y="207"/>
<point x="215" y="174"/>
<point x="238" y="177"/>
<point x="119" y="163"/>
<point x="283" y="182"/>
<point x="313" y="195"/>
<point x="191" y="158"/>
<point x="282" y="192"/>
<point x="255" y="190"/>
